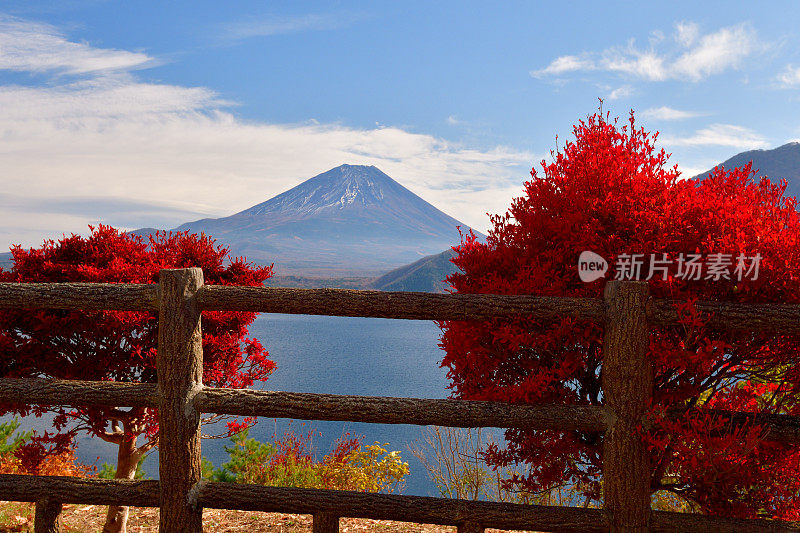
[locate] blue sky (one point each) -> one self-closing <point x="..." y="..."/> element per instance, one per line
<point x="152" y="114"/>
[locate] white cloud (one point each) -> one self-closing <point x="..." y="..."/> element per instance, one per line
<point x="790" y="77"/>
<point x="695" y="58"/>
<point x="688" y="172"/>
<point x="116" y="150"/>
<point x="667" y="113"/>
<point x="716" y="53"/>
<point x="35" y="47"/>
<point x="102" y="97"/>
<point x="647" y="65"/>
<point x="265" y="27"/>
<point x="686" y="33"/>
<point x="620" y="92"/>
<point x="564" y="64"/>
<point x="453" y="120"/>
<point x="721" y="135"/>
<point x="656" y="37"/>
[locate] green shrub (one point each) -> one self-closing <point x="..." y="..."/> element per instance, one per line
<point x="108" y="471"/>
<point x="7" y="429"/>
<point x="289" y="461"/>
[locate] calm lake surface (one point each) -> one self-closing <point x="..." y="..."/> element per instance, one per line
<point x="337" y="355"/>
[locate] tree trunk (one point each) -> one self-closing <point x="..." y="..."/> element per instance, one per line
<point x="127" y="459"/>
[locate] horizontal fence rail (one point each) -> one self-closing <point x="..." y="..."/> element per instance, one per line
<point x="403" y="305"/>
<point x="77" y="393"/>
<point x="379" y="304"/>
<point x="94" y="296"/>
<point x="420" y="509"/>
<point x="369" y="409"/>
<point x="425" y="510"/>
<point x="733" y="316"/>
<point x="386" y="410"/>
<point x="446" y="511"/>
<point x="23" y="488"/>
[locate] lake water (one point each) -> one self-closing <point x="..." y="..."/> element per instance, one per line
<point x="337" y="355"/>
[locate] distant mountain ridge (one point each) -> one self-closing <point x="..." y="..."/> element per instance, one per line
<point x="425" y="275"/>
<point x="778" y="163"/>
<point x="352" y="220"/>
<point x="344" y="195"/>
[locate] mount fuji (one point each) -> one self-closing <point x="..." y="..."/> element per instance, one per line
<point x="349" y="221"/>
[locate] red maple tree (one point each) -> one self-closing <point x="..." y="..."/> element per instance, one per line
<point x="610" y="191"/>
<point x="121" y="345"/>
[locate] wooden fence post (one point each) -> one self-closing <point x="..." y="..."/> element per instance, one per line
<point x="627" y="390"/>
<point x="180" y="373"/>
<point x="325" y="523"/>
<point x="48" y="516"/>
<point x="470" y="527"/>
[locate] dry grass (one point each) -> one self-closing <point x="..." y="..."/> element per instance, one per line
<point x="89" y="519"/>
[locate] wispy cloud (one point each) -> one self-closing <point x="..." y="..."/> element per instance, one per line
<point x="620" y="92"/>
<point x="564" y="64"/>
<point x="128" y="212"/>
<point x="646" y="64"/>
<point x="146" y="154"/>
<point x="667" y="113"/>
<point x="720" y="135"/>
<point x="27" y="46"/>
<point x="790" y="77"/>
<point x="714" y="53"/>
<point x="686" y="33"/>
<point x="693" y="56"/>
<point x="102" y="98"/>
<point x="265" y="27"/>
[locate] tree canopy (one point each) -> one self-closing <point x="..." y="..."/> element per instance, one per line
<point x="610" y="191"/>
<point x="121" y="345"/>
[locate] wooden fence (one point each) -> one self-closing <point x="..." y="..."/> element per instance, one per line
<point x="626" y="311"/>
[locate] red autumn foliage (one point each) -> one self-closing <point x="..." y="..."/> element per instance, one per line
<point x="42" y="457"/>
<point x="121" y="345"/>
<point x="611" y="191"/>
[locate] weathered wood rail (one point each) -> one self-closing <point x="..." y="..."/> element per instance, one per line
<point x="626" y="311"/>
<point x="378" y="304"/>
<point x="370" y="409"/>
<point x="333" y="503"/>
